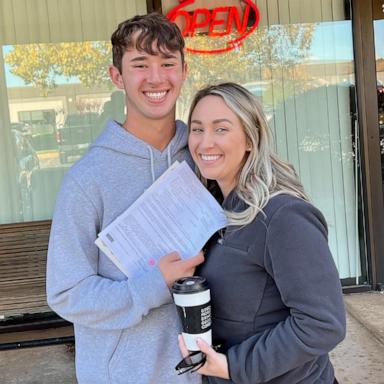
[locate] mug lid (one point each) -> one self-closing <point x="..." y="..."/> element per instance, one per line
<point x="190" y="284"/>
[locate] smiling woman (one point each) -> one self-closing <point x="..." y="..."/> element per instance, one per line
<point x="276" y="296"/>
<point x="218" y="145"/>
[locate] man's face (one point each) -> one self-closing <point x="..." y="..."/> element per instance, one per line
<point x="152" y="83"/>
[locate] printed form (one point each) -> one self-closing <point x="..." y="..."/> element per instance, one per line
<point x="176" y="213"/>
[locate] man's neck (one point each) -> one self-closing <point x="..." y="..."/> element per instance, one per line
<point x="157" y="133"/>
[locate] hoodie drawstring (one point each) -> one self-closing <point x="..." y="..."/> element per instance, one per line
<point x="169" y="160"/>
<point x="169" y="156"/>
<point x="152" y="163"/>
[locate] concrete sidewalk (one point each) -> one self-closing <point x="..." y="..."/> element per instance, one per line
<point x="359" y="359"/>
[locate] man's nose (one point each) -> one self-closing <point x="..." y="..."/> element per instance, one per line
<point x="154" y="75"/>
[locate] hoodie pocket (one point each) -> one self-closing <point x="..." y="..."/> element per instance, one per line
<point x="127" y="365"/>
<point x="147" y="350"/>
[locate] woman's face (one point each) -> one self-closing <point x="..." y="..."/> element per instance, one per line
<point x="217" y="142"/>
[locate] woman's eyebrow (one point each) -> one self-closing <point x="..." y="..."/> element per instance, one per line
<point x="216" y="121"/>
<point x="222" y="121"/>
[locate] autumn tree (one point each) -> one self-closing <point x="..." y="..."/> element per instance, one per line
<point x="268" y="54"/>
<point x="40" y="64"/>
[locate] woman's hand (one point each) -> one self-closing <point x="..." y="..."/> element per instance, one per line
<point x="216" y="363"/>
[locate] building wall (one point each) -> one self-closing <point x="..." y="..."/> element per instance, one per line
<point x="299" y="61"/>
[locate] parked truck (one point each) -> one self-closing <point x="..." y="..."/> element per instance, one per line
<point x="76" y="134"/>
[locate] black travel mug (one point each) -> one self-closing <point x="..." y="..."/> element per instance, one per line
<point x="193" y="302"/>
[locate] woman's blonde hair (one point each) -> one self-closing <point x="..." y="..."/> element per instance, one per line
<point x="263" y="174"/>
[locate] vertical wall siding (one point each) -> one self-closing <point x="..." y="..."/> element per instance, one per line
<point x="278" y="11"/>
<point x="53" y="21"/>
<point x="321" y="115"/>
<point x="312" y="126"/>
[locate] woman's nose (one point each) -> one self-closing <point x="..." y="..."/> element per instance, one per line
<point x="207" y="141"/>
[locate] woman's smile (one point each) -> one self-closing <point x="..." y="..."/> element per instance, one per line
<point x="217" y="142"/>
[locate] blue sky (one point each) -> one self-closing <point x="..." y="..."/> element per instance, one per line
<point x="332" y="41"/>
<point x="15" y="81"/>
<point x="379" y="38"/>
<point x="12" y="81"/>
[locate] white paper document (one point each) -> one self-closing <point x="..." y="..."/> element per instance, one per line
<point x="176" y="213"/>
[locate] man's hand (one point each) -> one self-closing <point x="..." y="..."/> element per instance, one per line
<point x="173" y="267"/>
<point x="216" y="364"/>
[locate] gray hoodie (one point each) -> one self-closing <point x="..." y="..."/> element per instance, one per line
<point x="125" y="329"/>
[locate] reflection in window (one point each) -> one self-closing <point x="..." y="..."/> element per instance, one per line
<point x="59" y="100"/>
<point x="303" y="74"/>
<point x="379" y="52"/>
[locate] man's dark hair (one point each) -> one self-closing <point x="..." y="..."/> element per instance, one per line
<point x="153" y="27"/>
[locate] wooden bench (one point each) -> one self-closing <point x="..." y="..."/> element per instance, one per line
<point x="23" y="255"/>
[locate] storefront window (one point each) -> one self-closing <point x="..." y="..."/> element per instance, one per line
<point x="56" y="95"/>
<point x="299" y="61"/>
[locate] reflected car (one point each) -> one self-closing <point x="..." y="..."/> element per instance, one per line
<point x="75" y="135"/>
<point x="24" y="128"/>
<point x="26" y="157"/>
<point x="26" y="162"/>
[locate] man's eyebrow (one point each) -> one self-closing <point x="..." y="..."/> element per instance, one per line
<point x="168" y="55"/>
<point x="139" y="58"/>
<point x="145" y="57"/>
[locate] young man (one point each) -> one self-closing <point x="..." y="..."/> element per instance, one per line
<point x="125" y="329"/>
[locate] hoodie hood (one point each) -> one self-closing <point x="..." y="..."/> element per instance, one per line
<point x="117" y="139"/>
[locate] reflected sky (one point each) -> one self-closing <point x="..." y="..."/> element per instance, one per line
<point x="379" y="38"/>
<point x="339" y="33"/>
<point x="16" y="81"/>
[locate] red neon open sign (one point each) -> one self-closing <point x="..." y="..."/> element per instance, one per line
<point x="227" y="18"/>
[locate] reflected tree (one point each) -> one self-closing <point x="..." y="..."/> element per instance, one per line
<point x="266" y="55"/>
<point x="263" y="55"/>
<point x="41" y="64"/>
